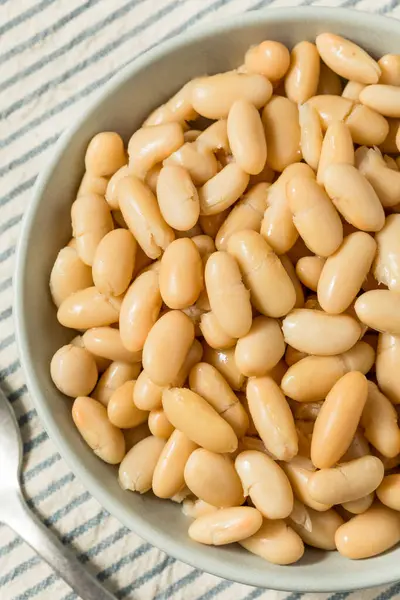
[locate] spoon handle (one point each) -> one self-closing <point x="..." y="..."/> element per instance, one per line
<point x="24" y="522"/>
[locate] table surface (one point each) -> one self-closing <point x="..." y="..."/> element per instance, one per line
<point x="54" y="57"/>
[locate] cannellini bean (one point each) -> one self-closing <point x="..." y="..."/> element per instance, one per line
<point x="329" y="82"/>
<point x="146" y="394"/>
<point x="224" y="362"/>
<point x="91" y="221"/>
<point x="177" y="197"/>
<point x="308" y="270"/>
<point x="387" y="262"/>
<point x="266" y="484"/>
<point x="106" y="342"/>
<point x="380" y="310"/>
<point x="347" y="59"/>
<point x="389" y="144"/>
<point x="352" y="90"/>
<point x="113" y="262"/>
<point x="385" y="99"/>
<point x="197" y="508"/>
<point x="344" y="272"/>
<point x="92" y="184"/>
<point x="337" y="147"/>
<point x="390" y="69"/>
<point x="314" y="216"/>
<point x="168" y="476"/>
<point x="151" y="145"/>
<point x="88" y="308"/>
<point x="177" y="109"/>
<point x="214" y="96"/>
<point x="331" y="108"/>
<point x="311" y="135"/>
<point x="203" y="468"/>
<point x="298" y="288"/>
<point x="73" y="371"/>
<point x="111" y="191"/>
<point x="276" y="542"/>
<point x="101" y="363"/>
<point x="159" y="424"/>
<point x="141" y="212"/>
<point x="338" y="419"/>
<point x="299" y="470"/>
<point x="321" y="529"/>
<point x="121" y="410"/>
<point x="106" y="440"/>
<point x="316" y="332"/>
<point x="357" y="507"/>
<point x="194" y="416"/>
<point x="359" y="447"/>
<point x="139" y="311"/>
<point x="305" y="411"/>
<point x="354" y="197"/>
<point x="105" y="154"/>
<point x="384" y="180"/>
<point x="282" y="131"/>
<point x="379" y="420"/>
<point x="389" y="491"/>
<point x="213" y="333"/>
<point x="261" y="348"/>
<point x="181" y="274"/>
<point x="172" y="335"/>
<point x="207" y="382"/>
<point x="197" y="159"/>
<point x="229" y="299"/>
<point x="215" y="137"/>
<point x="226" y="526"/>
<point x="222" y="190"/>
<point x="137" y="468"/>
<point x="246" y="137"/>
<point x="135" y="435"/>
<point x="369" y="534"/>
<point x="301" y="80"/>
<point x="246" y="214"/>
<point x="366" y="125"/>
<point x="387" y="360"/>
<point x="113" y="378"/>
<point x="271" y="289"/>
<point x="272" y="417"/>
<point x="269" y="58"/>
<point x="68" y="275"/>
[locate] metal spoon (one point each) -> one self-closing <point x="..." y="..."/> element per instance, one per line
<point x="15" y="513"/>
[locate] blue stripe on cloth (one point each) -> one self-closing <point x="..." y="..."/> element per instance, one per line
<point x="53" y="487"/>
<point x="122" y="562"/>
<point x="4" y="285"/>
<point x="388" y="7"/>
<point x="255" y="594"/>
<point x="17" y="394"/>
<point x="84" y="527"/>
<point x="389" y="593"/>
<point x="5" y="314"/>
<point x="104" y="544"/>
<point x="83" y="35"/>
<point x="217" y="589"/>
<point x="27" y="417"/>
<point x="45" y="33"/>
<point x="178" y="585"/>
<point x="67" y="508"/>
<point x="19" y="570"/>
<point x="7" y="548"/>
<point x="35" y="442"/>
<point x="7" y="253"/>
<point x="145" y="578"/>
<point x="6" y="342"/>
<point x="339" y="596"/>
<point x="22" y="17"/>
<point x="15" y="192"/>
<point x="38" y="588"/>
<point x="42" y="466"/>
<point x="10" y="223"/>
<point x="14" y="366"/>
<point x="32" y="153"/>
<point x="294" y="596"/>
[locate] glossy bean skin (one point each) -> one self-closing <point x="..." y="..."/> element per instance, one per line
<point x="382" y="98"/>
<point x="384" y="180"/>
<point x="366" y="125"/>
<point x="311" y="135"/>
<point x="347" y="59"/>
<point x="301" y="80"/>
<point x="272" y="417"/>
<point x="215" y="137"/>
<point x="91" y="221"/>
<point x="146" y="394"/>
<point x="195" y="417"/>
<point x="266" y="484"/>
<point x="121" y="409"/>
<point x="195" y="508"/>
<point x="229" y="299"/>
<point x="311" y="378"/>
<point x="224" y="362"/>
<point x="261" y="349"/>
<point x="106" y="440"/>
<point x="352" y="90"/>
<point x="207" y="382"/>
<point x="73" y="371"/>
<point x="139" y="310"/>
<point x="214" y="96"/>
<point x="203" y="468"/>
<point x="114" y="377"/>
<point x="177" y="109"/>
<point x="106" y="342"/>
<point x="213" y="333"/>
<point x="337" y="147"/>
<point x="387" y="262"/>
<point x="314" y="216"/>
<point x="308" y="270"/>
<point x="379" y="420"/>
<point x="321" y="529"/>
<point x="369" y="534"/>
<point x="199" y="161"/>
<point x="276" y="542"/>
<point x="111" y="195"/>
<point x="329" y="82"/>
<point x="159" y="424"/>
<point x="387" y="357"/>
<point x="172" y="335"/>
<point x="105" y="154"/>
<point x="137" y="468"/>
<point x="338" y="419"/>
<point x="271" y="289"/>
<point x="223" y="190"/>
<point x="269" y="58"/>
<point x="298" y="288"/>
<point x="282" y="131"/>
<point x="379" y="309"/>
<point x="68" y="275"/>
<point x="344" y="272"/>
<point x="168" y="476"/>
<point x="181" y="274"/>
<point x="226" y="526"/>
<point x="331" y="108"/>
<point x="141" y="212"/>
<point x="92" y="184"/>
<point x="315" y="332"/>
<point x="299" y="471"/>
<point x="390" y="69"/>
<point x="114" y="261"/>
<point x="177" y="197"/>
<point x="88" y="308"/>
<point x="151" y="145"/>
<point x="357" y="507"/>
<point x="246" y="137"/>
<point x="389" y="491"/>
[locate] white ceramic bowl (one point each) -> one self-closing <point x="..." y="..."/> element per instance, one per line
<point x="122" y="106"/>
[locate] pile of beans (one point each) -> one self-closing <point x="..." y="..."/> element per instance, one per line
<point x="234" y="276"/>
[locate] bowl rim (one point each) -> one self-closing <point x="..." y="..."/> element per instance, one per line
<point x="284" y="579"/>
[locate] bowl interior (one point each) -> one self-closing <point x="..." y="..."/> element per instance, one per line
<point x="123" y="105"/>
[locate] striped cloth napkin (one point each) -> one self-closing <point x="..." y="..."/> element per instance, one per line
<point x="54" y="57"/>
